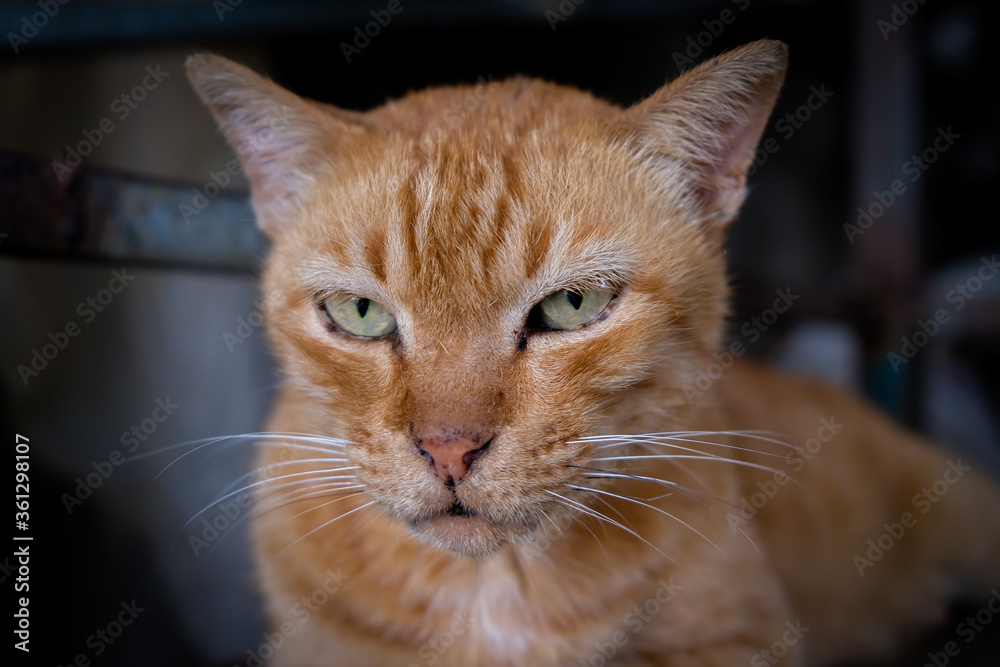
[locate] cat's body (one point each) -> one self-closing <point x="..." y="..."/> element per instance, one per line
<point x="417" y="295"/>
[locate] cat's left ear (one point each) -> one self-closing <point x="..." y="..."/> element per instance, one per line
<point x="700" y="130"/>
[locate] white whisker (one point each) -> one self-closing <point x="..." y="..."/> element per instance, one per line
<point x="304" y="486"/>
<point x="320" y="506"/>
<point x="652" y="507"/>
<point x="260" y="511"/>
<point x="324" y="525"/>
<point x="690" y="493"/>
<point x="262" y="470"/>
<point x="287" y="476"/>
<point x="272" y="504"/>
<point x="689" y="436"/>
<point x="217" y="501"/>
<point x="650" y="443"/>
<point x="606" y="504"/>
<point x="259" y="439"/>
<point x="600" y="517"/>
<point x="701" y="457"/>
<point x="581" y="522"/>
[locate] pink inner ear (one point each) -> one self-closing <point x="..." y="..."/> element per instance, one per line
<point x="272" y="162"/>
<point x="706" y="124"/>
<point x="738" y="151"/>
<point x="724" y="187"/>
<point x="721" y="204"/>
<point x="277" y="136"/>
<point x="284" y="147"/>
<point x="280" y="147"/>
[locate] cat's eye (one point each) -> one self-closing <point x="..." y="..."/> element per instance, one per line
<point x="359" y="317"/>
<point x="570" y="309"/>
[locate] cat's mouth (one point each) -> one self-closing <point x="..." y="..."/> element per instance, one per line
<point x="459" y="509"/>
<point x="461" y="530"/>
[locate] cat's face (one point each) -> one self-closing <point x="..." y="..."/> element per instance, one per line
<point x="464" y="298"/>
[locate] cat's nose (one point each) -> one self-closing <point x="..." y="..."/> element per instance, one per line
<point x="451" y="457"/>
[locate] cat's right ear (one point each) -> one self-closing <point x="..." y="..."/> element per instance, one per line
<point x="281" y="140"/>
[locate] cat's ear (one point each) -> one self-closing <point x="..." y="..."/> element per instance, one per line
<point x="700" y="130"/>
<point x="281" y="139"/>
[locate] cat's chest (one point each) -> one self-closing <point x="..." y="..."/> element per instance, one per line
<point x="497" y="622"/>
<point x="497" y="619"/>
<point x="509" y="612"/>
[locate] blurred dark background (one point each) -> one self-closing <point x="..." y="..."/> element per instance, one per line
<point x="866" y="92"/>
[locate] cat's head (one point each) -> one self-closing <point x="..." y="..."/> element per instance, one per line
<point x="465" y="281"/>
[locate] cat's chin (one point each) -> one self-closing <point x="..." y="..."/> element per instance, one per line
<point x="468" y="535"/>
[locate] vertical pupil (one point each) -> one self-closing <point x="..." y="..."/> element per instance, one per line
<point x="362" y="307"/>
<point x="574" y="299"/>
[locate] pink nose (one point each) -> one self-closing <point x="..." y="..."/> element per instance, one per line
<point x="451" y="457"/>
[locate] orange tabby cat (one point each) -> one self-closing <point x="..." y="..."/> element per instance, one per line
<point x="487" y="323"/>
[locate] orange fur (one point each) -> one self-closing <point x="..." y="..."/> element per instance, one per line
<point x="459" y="226"/>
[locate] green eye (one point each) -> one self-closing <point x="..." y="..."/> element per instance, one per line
<point x="359" y="317"/>
<point x="567" y="309"/>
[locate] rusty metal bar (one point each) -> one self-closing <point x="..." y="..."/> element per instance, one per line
<point x="103" y="215"/>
